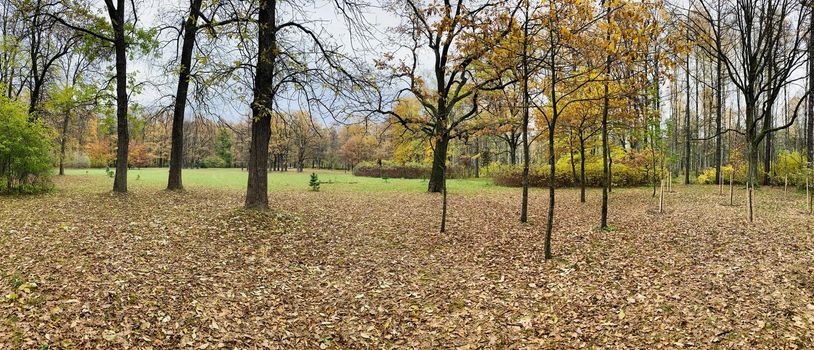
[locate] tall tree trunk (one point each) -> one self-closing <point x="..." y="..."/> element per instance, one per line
<point x="603" y="221"/>
<point x="63" y="141"/>
<point x="809" y="127"/>
<point x="718" y="107"/>
<point x="524" y="200"/>
<point x="262" y="106"/>
<point x="174" y="182"/>
<point x="123" y="143"/>
<point x="687" y="148"/>
<point x="552" y="126"/>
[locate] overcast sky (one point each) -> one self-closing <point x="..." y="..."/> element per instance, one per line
<point x="321" y="12"/>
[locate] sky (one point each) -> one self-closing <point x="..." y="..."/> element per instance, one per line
<point x="321" y="13"/>
<point x="327" y="22"/>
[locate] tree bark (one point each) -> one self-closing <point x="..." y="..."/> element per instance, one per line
<point x="62" y="142"/>
<point x="174" y="182"/>
<point x="117" y="19"/>
<point x="262" y="106"/>
<point x="809" y="127"/>
<point x="581" y="169"/>
<point x="687" y="148"/>
<point x="524" y="200"/>
<point x="603" y="221"/>
<point x="436" y="183"/>
<point x="719" y="102"/>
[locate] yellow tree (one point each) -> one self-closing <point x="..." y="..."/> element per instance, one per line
<point x="565" y="40"/>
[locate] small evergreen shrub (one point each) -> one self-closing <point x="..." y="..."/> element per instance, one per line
<point x="314" y="183"/>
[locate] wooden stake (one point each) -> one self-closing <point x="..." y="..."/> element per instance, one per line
<point x="670" y="182"/>
<point x="661" y="198"/>
<point x="749" y="209"/>
<point x="731" y="188"/>
<point x="808" y="196"/>
<point x="721" y="184"/>
<point x="786" y="185"/>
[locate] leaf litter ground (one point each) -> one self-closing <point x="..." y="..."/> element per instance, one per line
<point x="82" y="268"/>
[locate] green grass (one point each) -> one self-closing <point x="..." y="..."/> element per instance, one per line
<point x="332" y="180"/>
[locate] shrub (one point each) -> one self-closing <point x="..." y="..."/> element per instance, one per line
<point x="25" y="151"/>
<point x="78" y="160"/>
<point x="405" y="171"/>
<point x="314" y="182"/>
<point x="623" y="174"/>
<point x="791" y="165"/>
<point x="213" y="162"/>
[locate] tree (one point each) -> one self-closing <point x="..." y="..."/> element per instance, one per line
<point x="119" y="32"/>
<point x="279" y="64"/>
<point x="623" y="41"/>
<point x="458" y="36"/>
<point x="223" y="146"/>
<point x="47" y="43"/>
<point x="65" y="103"/>
<point x="357" y="145"/>
<point x="189" y="30"/>
<point x="761" y="60"/>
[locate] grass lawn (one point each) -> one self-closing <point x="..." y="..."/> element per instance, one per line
<point x="332" y="180"/>
<point x="360" y="265"/>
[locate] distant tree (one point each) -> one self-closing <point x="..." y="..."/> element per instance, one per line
<point x="223" y="146"/>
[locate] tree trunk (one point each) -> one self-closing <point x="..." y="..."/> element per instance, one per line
<point x="603" y="221"/>
<point x="174" y="182"/>
<point x="552" y="127"/>
<point x="551" y="197"/>
<point x="524" y="200"/>
<point x="687" y="148"/>
<point x="439" y="157"/>
<point x="257" y="188"/>
<point x="62" y="142"/>
<point x="718" y="112"/>
<point x="513" y="153"/>
<point x="581" y="169"/>
<point x="809" y="127"/>
<point x="123" y="143"/>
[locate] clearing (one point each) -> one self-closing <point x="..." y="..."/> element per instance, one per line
<point x="361" y="265"/>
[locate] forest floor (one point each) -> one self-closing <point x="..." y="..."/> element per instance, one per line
<point x="83" y="268"/>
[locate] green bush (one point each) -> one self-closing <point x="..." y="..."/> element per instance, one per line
<point x="214" y="162"/>
<point x="25" y="151"/>
<point x="390" y="169"/>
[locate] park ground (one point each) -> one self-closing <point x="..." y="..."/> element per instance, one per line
<point x="361" y="265"/>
